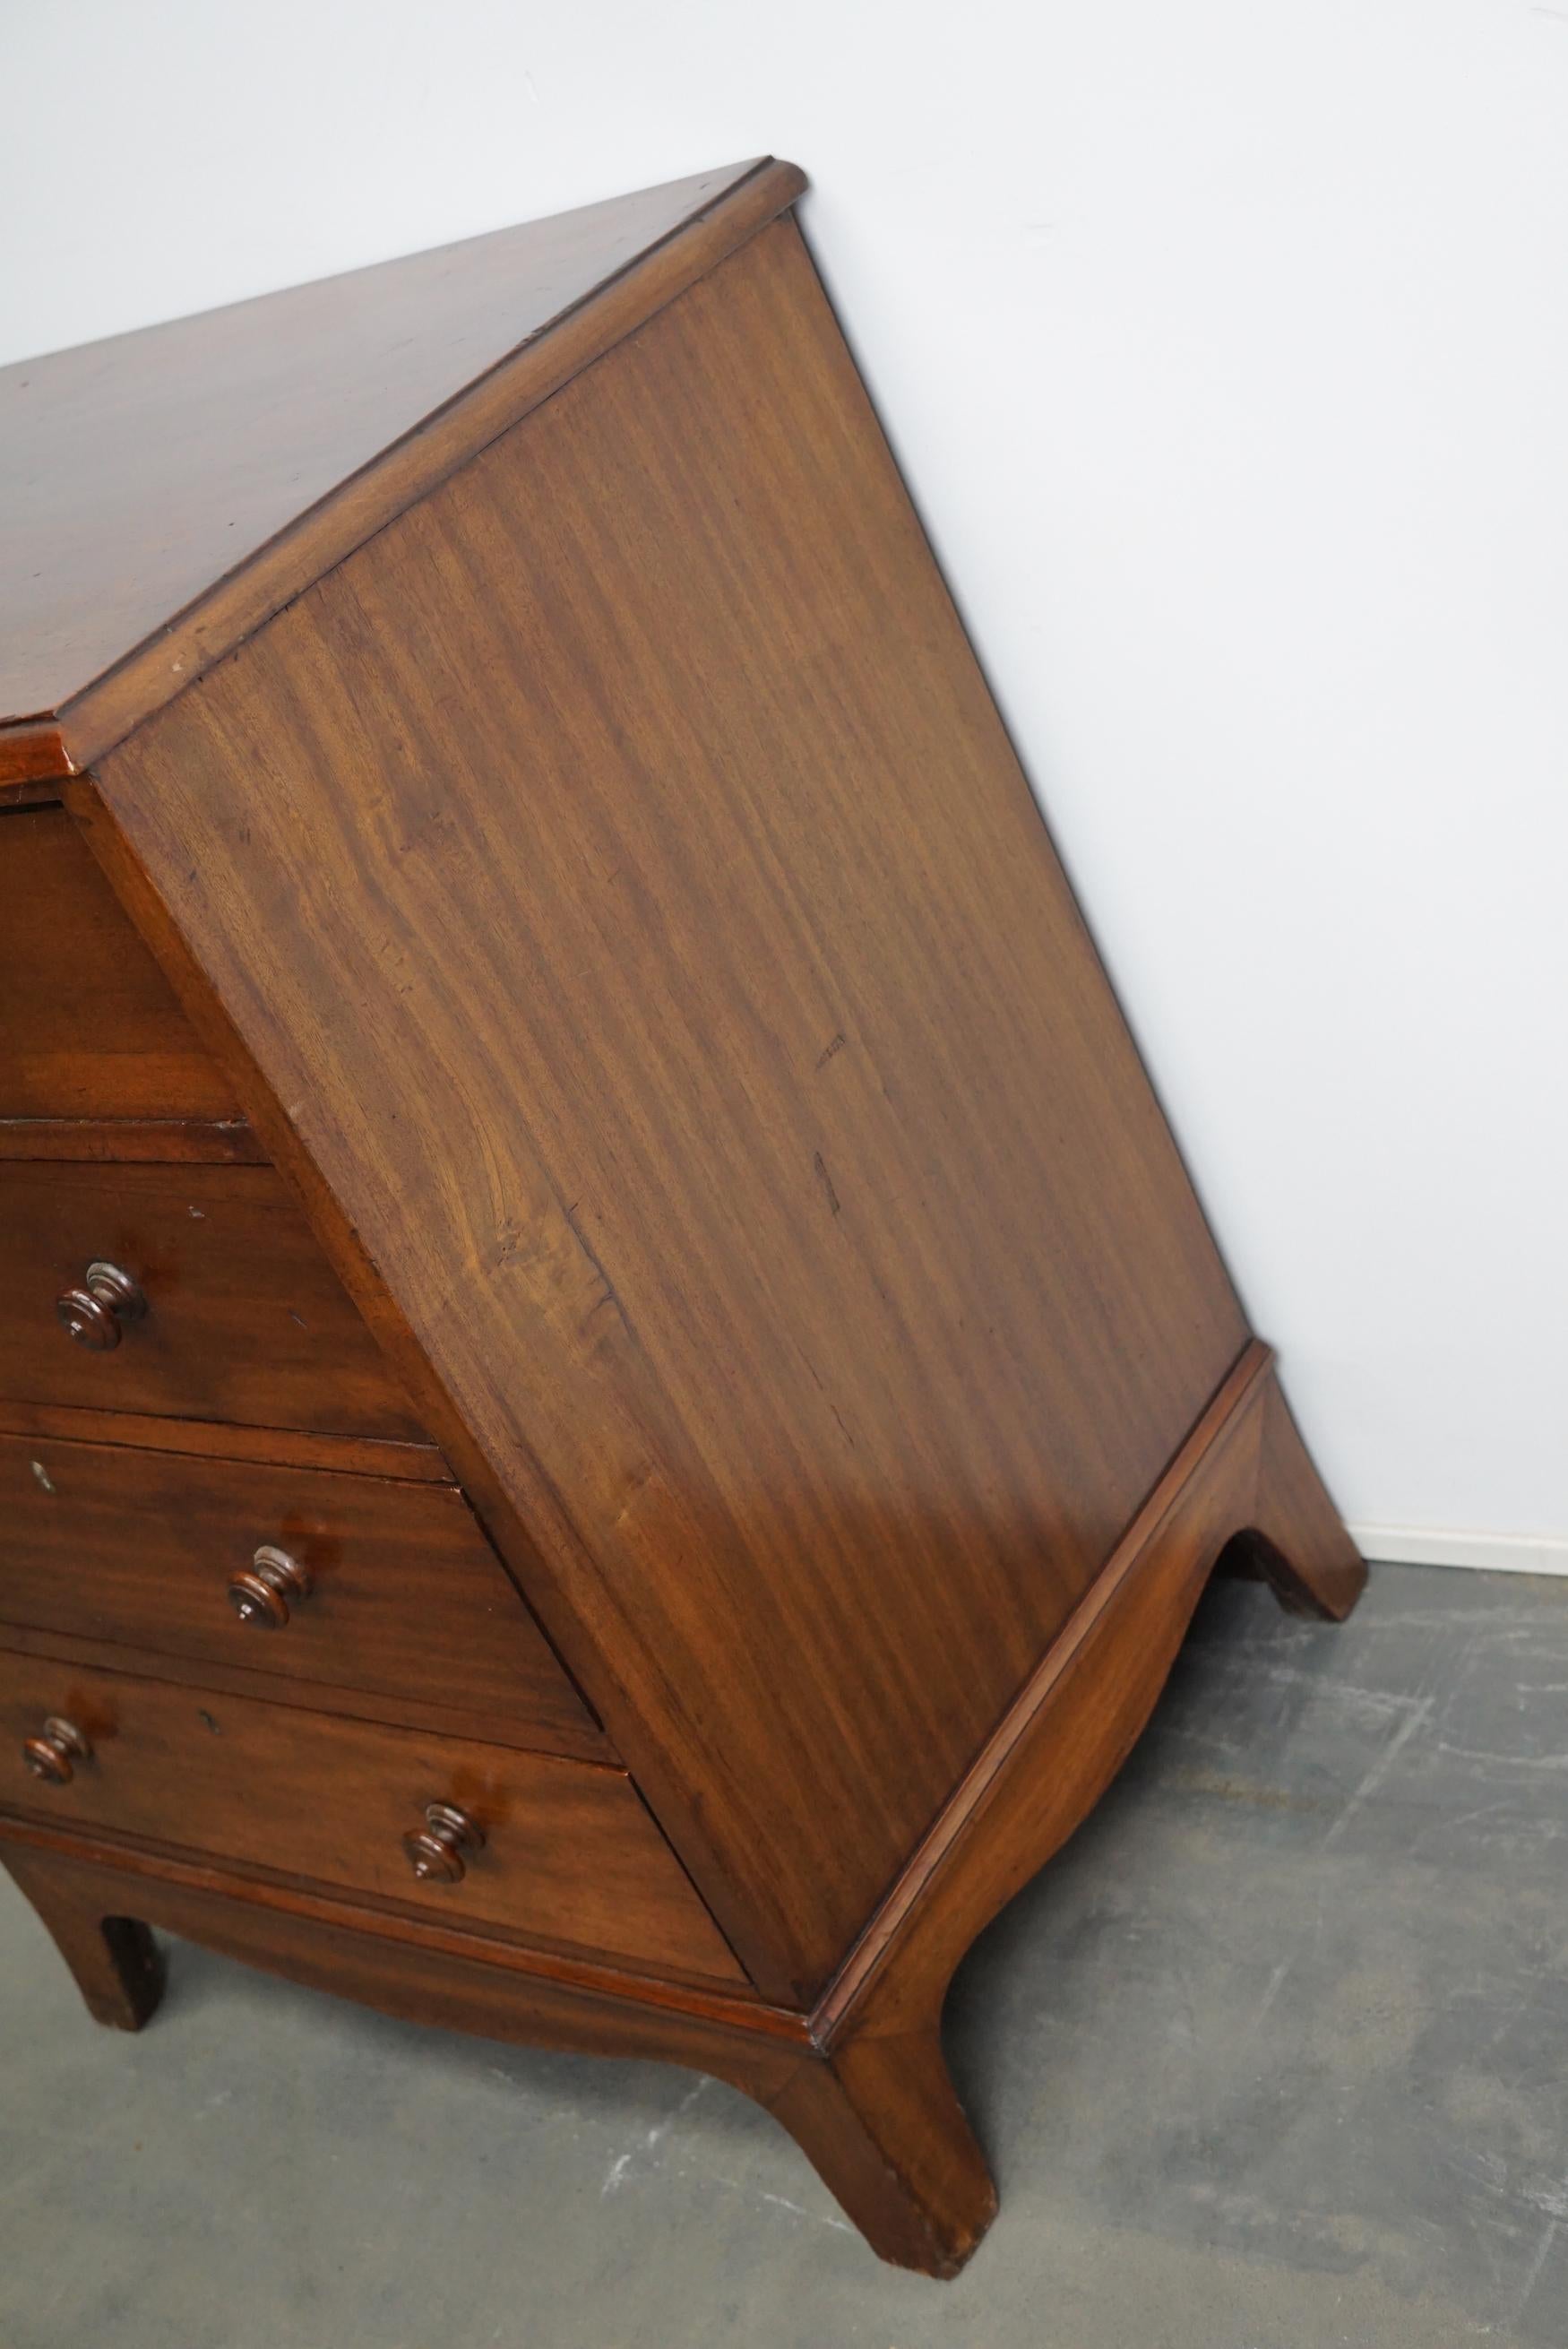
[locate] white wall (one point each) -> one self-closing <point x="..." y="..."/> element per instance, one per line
<point x="1225" y="344"/>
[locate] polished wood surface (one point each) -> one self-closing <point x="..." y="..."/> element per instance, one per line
<point x="406" y="1596"/>
<point x="244" y="1319"/>
<point x="570" y="1854"/>
<point x="514" y="1971"/>
<point x="91" y="1028"/>
<point x="393" y="1710"/>
<point x="279" y="1448"/>
<point x="661" y="1159"/>
<point x="167" y="490"/>
<point x="152" y="1140"/>
<point x="1085" y="1705"/>
<point x="20" y="787"/>
<point x="662" y="1061"/>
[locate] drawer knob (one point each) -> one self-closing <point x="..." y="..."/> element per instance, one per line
<point x="95" y="1314"/>
<point x="260" y="1593"/>
<point x="55" y="1750"/>
<point x="436" y="1851"/>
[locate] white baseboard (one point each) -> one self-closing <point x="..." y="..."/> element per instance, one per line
<point x="1499" y="1553"/>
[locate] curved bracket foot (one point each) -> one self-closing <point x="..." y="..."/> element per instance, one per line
<point x="116" y="1963"/>
<point x="1295" y="1540"/>
<point x="879" y="2121"/>
<point x="1243" y="1489"/>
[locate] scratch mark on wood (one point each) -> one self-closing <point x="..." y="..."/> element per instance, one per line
<point x="611" y="1293"/>
<point x="827" y="1182"/>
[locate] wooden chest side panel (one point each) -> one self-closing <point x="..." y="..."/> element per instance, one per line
<point x="621" y="879"/>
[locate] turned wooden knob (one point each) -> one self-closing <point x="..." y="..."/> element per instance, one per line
<point x="260" y="1593"/>
<point x="436" y="1850"/>
<point x="95" y="1314"/>
<point x="55" y="1752"/>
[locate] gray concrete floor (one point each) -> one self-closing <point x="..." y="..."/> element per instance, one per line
<point x="1274" y="2056"/>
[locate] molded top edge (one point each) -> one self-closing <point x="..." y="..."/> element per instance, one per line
<point x="165" y="490"/>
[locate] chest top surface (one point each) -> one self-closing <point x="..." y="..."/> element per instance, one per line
<point x="139" y="473"/>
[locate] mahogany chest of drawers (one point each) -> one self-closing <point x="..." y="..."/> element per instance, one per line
<point x="612" y="1397"/>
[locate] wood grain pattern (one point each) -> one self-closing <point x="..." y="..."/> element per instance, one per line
<point x="246" y="1319"/>
<point x="795" y="1260"/>
<point x="168" y="491"/>
<point x="91" y="1028"/>
<point x="33" y="762"/>
<point x="570" y="1855"/>
<point x="278" y="1447"/>
<point x="408" y="1599"/>
<point x="1084" y="1705"/>
<point x="150" y="1142"/>
<point x="394" y="1712"/>
<point x="512" y="1968"/>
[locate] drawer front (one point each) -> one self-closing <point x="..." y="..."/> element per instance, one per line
<point x="393" y="1589"/>
<point x="91" y="1027"/>
<point x="569" y="1854"/>
<point x="244" y="1318"/>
